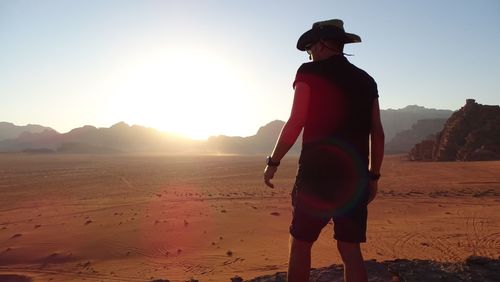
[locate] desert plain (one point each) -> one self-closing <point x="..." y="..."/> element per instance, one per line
<point x="210" y="218"/>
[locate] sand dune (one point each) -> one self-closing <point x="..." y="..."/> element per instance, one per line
<point x="140" y="218"/>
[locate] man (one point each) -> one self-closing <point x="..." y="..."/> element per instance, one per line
<point x="336" y="104"/>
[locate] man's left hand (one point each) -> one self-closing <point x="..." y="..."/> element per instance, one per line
<point x="269" y="174"/>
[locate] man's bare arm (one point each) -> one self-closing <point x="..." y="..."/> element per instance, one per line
<point x="291" y="130"/>
<point x="377" y="139"/>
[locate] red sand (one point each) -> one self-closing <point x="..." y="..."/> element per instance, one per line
<point x="135" y="218"/>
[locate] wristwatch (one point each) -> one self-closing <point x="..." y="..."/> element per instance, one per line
<point x="269" y="162"/>
<point x="374" y="176"/>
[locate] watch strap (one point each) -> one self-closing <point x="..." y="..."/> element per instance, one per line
<point x="269" y="162"/>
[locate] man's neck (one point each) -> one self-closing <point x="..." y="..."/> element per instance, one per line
<point x="329" y="55"/>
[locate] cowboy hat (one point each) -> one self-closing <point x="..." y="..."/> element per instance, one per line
<point x="328" y="30"/>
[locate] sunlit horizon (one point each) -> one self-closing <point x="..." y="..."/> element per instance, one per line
<point x="196" y="94"/>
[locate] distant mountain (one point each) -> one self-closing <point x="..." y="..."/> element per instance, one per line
<point x="46" y="139"/>
<point x="395" y="121"/>
<point x="405" y="140"/>
<point x="261" y="143"/>
<point x="126" y="138"/>
<point x="118" y="138"/>
<point x="10" y="131"/>
<point x="470" y="134"/>
<point x="122" y="137"/>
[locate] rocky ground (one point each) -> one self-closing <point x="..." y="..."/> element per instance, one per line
<point x="472" y="269"/>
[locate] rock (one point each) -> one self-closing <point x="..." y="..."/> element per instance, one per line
<point x="475" y="260"/>
<point x="473" y="269"/>
<point x="421" y="130"/>
<point x="422" y="151"/>
<point x="277" y="277"/>
<point x="470" y="134"/>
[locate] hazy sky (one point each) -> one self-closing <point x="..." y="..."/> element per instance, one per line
<point x="205" y="68"/>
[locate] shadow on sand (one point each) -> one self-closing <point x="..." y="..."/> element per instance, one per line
<point x="14" y="278"/>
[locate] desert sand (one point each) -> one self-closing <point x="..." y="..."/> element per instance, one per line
<point x="145" y="217"/>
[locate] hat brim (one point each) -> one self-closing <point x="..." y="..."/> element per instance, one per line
<point x="313" y="35"/>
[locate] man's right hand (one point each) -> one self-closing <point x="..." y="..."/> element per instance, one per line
<point x="373" y="187"/>
<point x="269" y="174"/>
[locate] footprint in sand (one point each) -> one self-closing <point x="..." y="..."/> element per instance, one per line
<point x="88" y="222"/>
<point x="275" y="213"/>
<point x="17" y="235"/>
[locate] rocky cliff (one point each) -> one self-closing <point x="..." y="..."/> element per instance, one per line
<point x="395" y="121"/>
<point x="421" y="130"/>
<point x="470" y="134"/>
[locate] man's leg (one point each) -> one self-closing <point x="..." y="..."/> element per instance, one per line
<point x="299" y="262"/>
<point x="354" y="266"/>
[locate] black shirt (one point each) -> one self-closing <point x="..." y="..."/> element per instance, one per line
<point x="336" y="133"/>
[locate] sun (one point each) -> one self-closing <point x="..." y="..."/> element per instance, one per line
<point x="191" y="92"/>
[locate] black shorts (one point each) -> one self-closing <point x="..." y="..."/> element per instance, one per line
<point x="345" y="202"/>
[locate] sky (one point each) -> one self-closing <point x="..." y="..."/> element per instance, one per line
<point x="204" y="68"/>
